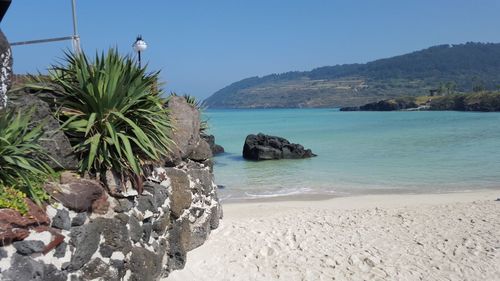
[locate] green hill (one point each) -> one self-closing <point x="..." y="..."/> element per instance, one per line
<point x="455" y="68"/>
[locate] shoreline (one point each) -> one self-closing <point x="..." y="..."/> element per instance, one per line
<point x="371" y="237"/>
<point x="329" y="196"/>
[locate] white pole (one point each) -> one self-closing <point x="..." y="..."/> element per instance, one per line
<point x="76" y="38"/>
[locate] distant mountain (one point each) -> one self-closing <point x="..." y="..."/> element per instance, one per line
<point x="456" y="68"/>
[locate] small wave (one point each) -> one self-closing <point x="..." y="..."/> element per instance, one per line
<point x="285" y="192"/>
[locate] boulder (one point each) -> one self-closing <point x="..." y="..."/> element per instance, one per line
<point x="78" y="195"/>
<point x="26" y="268"/>
<point x="215" y="148"/>
<point x="85" y="240"/>
<point x="79" y="219"/>
<point x="29" y="247"/>
<point x="159" y="193"/>
<point x="185" y="119"/>
<point x="61" y="220"/>
<point x="265" y="147"/>
<point x="179" y="241"/>
<point x="181" y="194"/>
<point x="202" y="181"/>
<point x="60" y="250"/>
<point x="5" y="69"/>
<point x="200" y="230"/>
<point x="123" y="205"/>
<point x="54" y="141"/>
<point x="97" y="269"/>
<point x="201" y="151"/>
<point x="145" y="265"/>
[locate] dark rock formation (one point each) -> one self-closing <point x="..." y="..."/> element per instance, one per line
<point x="53" y="140"/>
<point x="385" y="105"/>
<point x="26" y="268"/>
<point x="201" y="151"/>
<point x="29" y="247"/>
<point x="181" y="195"/>
<point x="265" y="147"/>
<point x="79" y="219"/>
<point x="215" y="148"/>
<point x="5" y="69"/>
<point x="61" y="220"/>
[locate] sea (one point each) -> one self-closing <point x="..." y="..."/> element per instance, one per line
<point x="358" y="152"/>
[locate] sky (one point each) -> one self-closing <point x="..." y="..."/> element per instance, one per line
<point x="202" y="46"/>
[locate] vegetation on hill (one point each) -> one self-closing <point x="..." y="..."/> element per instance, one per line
<point x="444" y="68"/>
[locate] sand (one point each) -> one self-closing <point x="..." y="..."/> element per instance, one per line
<point x="378" y="237"/>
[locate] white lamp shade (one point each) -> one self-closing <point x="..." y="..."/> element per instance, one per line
<point x="140" y="46"/>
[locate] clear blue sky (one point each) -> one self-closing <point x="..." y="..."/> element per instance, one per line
<point x="202" y="46"/>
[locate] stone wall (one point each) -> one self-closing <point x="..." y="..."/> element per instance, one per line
<point x="5" y="69"/>
<point x="86" y="234"/>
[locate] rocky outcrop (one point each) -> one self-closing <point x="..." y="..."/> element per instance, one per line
<point x="54" y="141"/>
<point x="186" y="134"/>
<point x="5" y="68"/>
<point x="89" y="235"/>
<point x="265" y="147"/>
<point x="215" y="148"/>
<point x="385" y="105"/>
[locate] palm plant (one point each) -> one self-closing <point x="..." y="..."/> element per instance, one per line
<point x="22" y="168"/>
<point x="112" y="112"/>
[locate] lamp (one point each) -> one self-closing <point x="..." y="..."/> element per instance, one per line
<point x="139" y="46"/>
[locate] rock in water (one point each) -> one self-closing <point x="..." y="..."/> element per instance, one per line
<point x="210" y="139"/>
<point x="265" y="147"/>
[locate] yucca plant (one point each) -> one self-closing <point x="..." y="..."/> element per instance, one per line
<point x="112" y="112"/>
<point x="22" y="168"/>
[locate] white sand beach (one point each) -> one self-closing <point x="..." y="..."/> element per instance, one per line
<point x="377" y="237"/>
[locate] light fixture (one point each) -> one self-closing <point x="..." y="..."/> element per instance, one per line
<point x="139" y="46"/>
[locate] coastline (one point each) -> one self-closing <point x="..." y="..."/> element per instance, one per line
<point x="384" y="237"/>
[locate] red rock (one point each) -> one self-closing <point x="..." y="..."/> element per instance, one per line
<point x="101" y="205"/>
<point x="36" y="216"/>
<point x="77" y="195"/>
<point x="57" y="238"/>
<point x="8" y="234"/>
<point x="15" y="227"/>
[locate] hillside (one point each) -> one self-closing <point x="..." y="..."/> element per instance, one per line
<point x="451" y="68"/>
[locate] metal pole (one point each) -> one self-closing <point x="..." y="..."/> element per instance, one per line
<point x="76" y="38"/>
<point x="139" y="54"/>
<point x="41" y="41"/>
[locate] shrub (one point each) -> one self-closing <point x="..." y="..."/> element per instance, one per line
<point x="482" y="102"/>
<point x="112" y="112"/>
<point x="22" y="168"/>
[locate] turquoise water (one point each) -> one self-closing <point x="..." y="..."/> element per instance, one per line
<point x="359" y="152"/>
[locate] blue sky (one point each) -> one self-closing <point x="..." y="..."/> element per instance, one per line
<point x="202" y="46"/>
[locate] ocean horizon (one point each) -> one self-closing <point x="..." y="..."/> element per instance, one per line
<point x="358" y="152"/>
